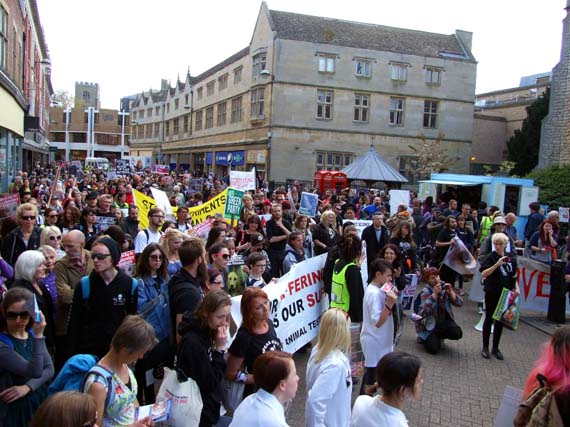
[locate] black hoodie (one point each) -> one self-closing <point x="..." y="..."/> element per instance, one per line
<point x="184" y="294"/>
<point x="198" y="360"/>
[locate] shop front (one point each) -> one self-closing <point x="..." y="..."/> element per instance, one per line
<point x="11" y="138"/>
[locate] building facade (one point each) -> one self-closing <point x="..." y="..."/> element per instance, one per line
<point x="78" y="133"/>
<point x="497" y="116"/>
<point x="25" y="89"/>
<point x="312" y="93"/>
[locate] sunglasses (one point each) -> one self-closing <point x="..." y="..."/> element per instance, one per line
<point x="12" y="315"/>
<point x="100" y="257"/>
<point x="156" y="257"/>
<point x="55" y="237"/>
<point x="224" y="256"/>
<point x="29" y="218"/>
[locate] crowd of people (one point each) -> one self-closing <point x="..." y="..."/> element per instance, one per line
<point x="64" y="294"/>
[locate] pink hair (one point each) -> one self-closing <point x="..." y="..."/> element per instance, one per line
<point x="553" y="363"/>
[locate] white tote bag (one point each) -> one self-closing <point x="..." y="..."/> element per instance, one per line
<point x="186" y="401"/>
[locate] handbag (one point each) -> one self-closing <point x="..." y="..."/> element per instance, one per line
<point x="186" y="399"/>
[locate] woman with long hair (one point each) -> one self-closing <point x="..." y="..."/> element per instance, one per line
<point x="399" y="376"/>
<point x="170" y="244"/>
<point x="325" y="235"/>
<point x="347" y="290"/>
<point x="218" y="258"/>
<point x="216" y="235"/>
<point x="466" y="236"/>
<point x="554" y="365"/>
<point x="243" y="239"/>
<point x="543" y="244"/>
<point x="25" y="364"/>
<point x="329" y="382"/>
<point x="88" y="226"/>
<point x="277" y="384"/>
<point x="301" y="224"/>
<point x="404" y="240"/>
<point x="201" y="352"/>
<point x="69" y="219"/>
<point x="391" y="253"/>
<point x="255" y="336"/>
<point x="66" y="409"/>
<point x="129" y="343"/>
<point x="152" y="302"/>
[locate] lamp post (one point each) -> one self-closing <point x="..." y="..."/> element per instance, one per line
<point x="67" y="142"/>
<point x="91" y="131"/>
<point x="161" y="134"/>
<point x="123" y="114"/>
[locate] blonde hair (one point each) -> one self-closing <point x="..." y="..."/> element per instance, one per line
<point x="171" y="233"/>
<point x="334" y="334"/>
<point x="26" y="207"/>
<point x="324" y="219"/>
<point x="46" y="232"/>
<point x="499" y="238"/>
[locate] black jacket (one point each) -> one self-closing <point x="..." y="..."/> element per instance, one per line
<point x="205" y="365"/>
<point x="45" y="304"/>
<point x="13" y="244"/>
<point x="372" y="244"/>
<point x="184" y="295"/>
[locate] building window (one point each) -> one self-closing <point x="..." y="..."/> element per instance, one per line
<point x="156" y="130"/>
<point x="133" y="115"/>
<point x="210" y="88"/>
<point x="430" y="114"/>
<point x="363" y="68"/>
<point x="167" y="128"/>
<point x="332" y="160"/>
<point x="326" y="63"/>
<point x="223" y="82"/>
<point x="259" y="63"/>
<point x="324" y="104"/>
<point x="396" y="111"/>
<point x="149" y="112"/>
<point x="186" y="102"/>
<point x="185" y="124"/>
<point x="176" y="104"/>
<point x="199" y="93"/>
<point x="86" y="96"/>
<point x="257" y="102"/>
<point x="140" y="132"/>
<point x="433" y="76"/>
<point x="3" y="38"/>
<point x="237" y="75"/>
<point x="148" y="131"/>
<point x="175" y="127"/>
<point x="361" y="105"/>
<point x="399" y="71"/>
<point x="168" y="107"/>
<point x="141" y="114"/>
<point x="157" y="110"/>
<point x="221" y="120"/>
<point x="209" y="118"/>
<point x="237" y="110"/>
<point x="198" y="124"/>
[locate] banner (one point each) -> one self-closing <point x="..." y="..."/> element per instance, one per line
<point x="123" y="166"/>
<point x="297" y="301"/>
<point x="360" y="224"/>
<point x="233" y="204"/>
<point x="534" y="284"/>
<point x="242" y="180"/>
<point x="459" y="259"/>
<point x="9" y="204"/>
<point x="309" y="203"/>
<point x="127" y="262"/>
<point x="399" y="197"/>
<point x="161" y="200"/>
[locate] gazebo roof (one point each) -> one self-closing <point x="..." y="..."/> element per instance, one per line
<point x="372" y="167"/>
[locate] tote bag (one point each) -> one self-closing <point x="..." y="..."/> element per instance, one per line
<point x="186" y="400"/>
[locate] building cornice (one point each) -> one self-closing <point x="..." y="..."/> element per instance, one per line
<point x="13" y="90"/>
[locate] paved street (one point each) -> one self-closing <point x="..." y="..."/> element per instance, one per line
<point x="460" y="387"/>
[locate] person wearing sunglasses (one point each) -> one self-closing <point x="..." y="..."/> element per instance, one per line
<point x="66" y="409"/>
<point x="24" y="237"/>
<point x="25" y="363"/>
<point x="50" y="216"/>
<point x="51" y="236"/>
<point x="172" y="239"/>
<point x="95" y="318"/>
<point x="218" y="257"/>
<point x="153" y="304"/>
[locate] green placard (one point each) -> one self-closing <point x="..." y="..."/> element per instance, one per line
<point x="233" y="203"/>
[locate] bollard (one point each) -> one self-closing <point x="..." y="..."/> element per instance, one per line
<point x="557" y="300"/>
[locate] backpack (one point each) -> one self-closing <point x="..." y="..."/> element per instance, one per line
<point x="86" y="287"/>
<point x="540" y="409"/>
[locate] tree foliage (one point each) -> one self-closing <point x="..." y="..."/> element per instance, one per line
<point x="431" y="157"/>
<point x="63" y="98"/>
<point x="523" y="146"/>
<point x="554" y="185"/>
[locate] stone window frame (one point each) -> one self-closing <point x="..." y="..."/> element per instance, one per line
<point x="431" y="112"/>
<point x="399" y="71"/>
<point x="209" y="122"/>
<point x="326" y="62"/>
<point x="221" y="110"/>
<point x="361" y="108"/>
<point x="431" y="72"/>
<point x="325" y="104"/>
<point x="397" y="111"/>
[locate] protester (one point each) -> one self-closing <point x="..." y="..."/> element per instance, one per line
<point x="170" y="244"/>
<point x="301" y="224"/>
<point x="402" y="237"/>
<point x="51" y="235"/>
<point x="257" y="265"/>
<point x="69" y="219"/>
<point x="294" y="251"/>
<point x="329" y="382"/>
<point x="399" y="375"/>
<point x="278" y="230"/>
<point x="218" y="258"/>
<point x="24" y="237"/>
<point x="48" y="281"/>
<point x="445" y="240"/>
<point x="252" y="227"/>
<point x="132" y="339"/>
<point x="151" y="234"/>
<point x="24" y="359"/>
<point x="202" y="349"/>
<point x="325" y="235"/>
<point x="533" y="221"/>
<point x="277" y="383"/>
<point x="66" y="409"/>
<point x="255" y="336"/>
<point x="375" y="236"/>
<point x="543" y="244"/>
<point x="499" y="272"/>
<point x="88" y="226"/>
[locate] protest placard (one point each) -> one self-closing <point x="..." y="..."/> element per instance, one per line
<point x="127" y="262"/>
<point x="104" y="222"/>
<point x="123" y="167"/>
<point x="564" y="214"/>
<point x="9" y="204"/>
<point x="309" y="203"/>
<point x="242" y="180"/>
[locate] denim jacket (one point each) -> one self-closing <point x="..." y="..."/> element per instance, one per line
<point x="428" y="307"/>
<point x="153" y="304"/>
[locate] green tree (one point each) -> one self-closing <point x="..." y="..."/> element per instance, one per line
<point x="524" y="145"/>
<point x="431" y="157"/>
<point x="554" y="185"/>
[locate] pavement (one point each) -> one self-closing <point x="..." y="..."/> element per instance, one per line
<point x="460" y="387"/>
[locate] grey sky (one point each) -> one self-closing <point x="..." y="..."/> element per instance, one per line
<point x="128" y="45"/>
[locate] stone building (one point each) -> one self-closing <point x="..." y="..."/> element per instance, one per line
<point x="497" y="115"/>
<point x="312" y="93"/>
<point x="25" y="89"/>
<point x="555" y="134"/>
<point x="86" y="95"/>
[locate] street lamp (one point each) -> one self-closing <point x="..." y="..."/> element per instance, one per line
<point x="67" y="143"/>
<point x="123" y="114"/>
<point x="91" y="131"/>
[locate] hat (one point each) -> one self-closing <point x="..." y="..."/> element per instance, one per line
<point x="256" y="238"/>
<point x="285" y="204"/>
<point x="92" y="195"/>
<point x="113" y="248"/>
<point x="267" y="202"/>
<point x="499" y="220"/>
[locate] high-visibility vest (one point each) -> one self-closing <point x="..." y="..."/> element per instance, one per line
<point x="340" y="297"/>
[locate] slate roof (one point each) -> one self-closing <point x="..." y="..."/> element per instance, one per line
<point x="221" y="65"/>
<point x="372" y="167"/>
<point x="316" y="29"/>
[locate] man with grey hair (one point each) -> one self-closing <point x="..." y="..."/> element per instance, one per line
<point x="68" y="272"/>
<point x="511" y="229"/>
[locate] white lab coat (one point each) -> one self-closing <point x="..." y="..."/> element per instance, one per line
<point x="329" y="385"/>
<point x="261" y="409"/>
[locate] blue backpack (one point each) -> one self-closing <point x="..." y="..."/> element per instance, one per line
<point x="86" y="287"/>
<point x="75" y="372"/>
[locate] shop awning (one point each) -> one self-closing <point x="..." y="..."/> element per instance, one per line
<point x="458" y="183"/>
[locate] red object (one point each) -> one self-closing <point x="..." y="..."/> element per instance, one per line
<point x="330" y="180"/>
